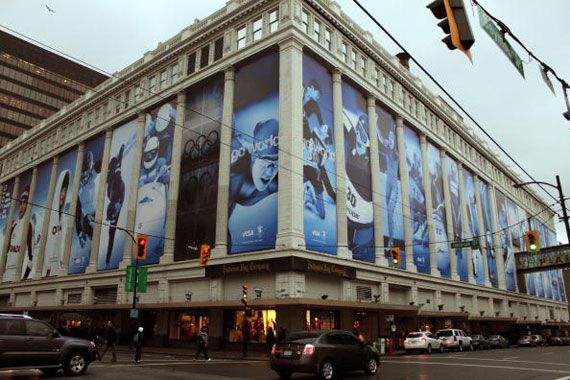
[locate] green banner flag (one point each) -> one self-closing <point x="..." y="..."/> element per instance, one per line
<point x="141" y="280"/>
<point x="130" y="279"/>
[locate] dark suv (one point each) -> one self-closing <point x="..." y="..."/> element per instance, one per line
<point x="30" y="343"/>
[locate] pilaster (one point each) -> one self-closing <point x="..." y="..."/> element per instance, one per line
<point x="375" y="177"/>
<point x="481" y="237"/>
<point x="465" y="220"/>
<point x="405" y="182"/>
<point x="497" y="239"/>
<point x="429" y="206"/>
<point x="448" y="213"/>
<point x="45" y="222"/>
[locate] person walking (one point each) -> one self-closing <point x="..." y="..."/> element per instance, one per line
<point x="110" y="341"/>
<point x="270" y="340"/>
<point x="138" y="341"/>
<point x="203" y="344"/>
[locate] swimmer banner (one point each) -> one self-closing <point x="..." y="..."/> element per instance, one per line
<point x="6" y="190"/>
<point x="252" y="224"/>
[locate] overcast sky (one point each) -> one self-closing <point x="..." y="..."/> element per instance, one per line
<point x="521" y="114"/>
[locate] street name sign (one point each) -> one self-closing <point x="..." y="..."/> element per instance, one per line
<point x="466" y="244"/>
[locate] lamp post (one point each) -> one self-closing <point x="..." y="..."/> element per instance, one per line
<point x="562" y="200"/>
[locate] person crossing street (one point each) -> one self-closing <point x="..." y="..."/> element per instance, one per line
<point x="203" y="344"/>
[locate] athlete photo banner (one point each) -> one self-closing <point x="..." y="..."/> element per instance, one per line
<point x="505" y="237"/>
<point x="473" y="224"/>
<point x="488" y="231"/>
<point x="18" y="244"/>
<point x="154" y="180"/>
<point x="252" y="224"/>
<point x="390" y="185"/>
<point x="417" y="201"/>
<point x="6" y="190"/>
<point x="86" y="205"/>
<point x="457" y="214"/>
<point x="319" y="159"/>
<point x="60" y="214"/>
<point x="117" y="194"/>
<point x="438" y="209"/>
<point x="359" y="208"/>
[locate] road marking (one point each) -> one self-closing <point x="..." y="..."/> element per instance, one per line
<point x="477" y="365"/>
<point x="563" y="378"/>
<point x="547" y="353"/>
<point x="511" y="357"/>
<point x="179" y="362"/>
<point x="504" y="360"/>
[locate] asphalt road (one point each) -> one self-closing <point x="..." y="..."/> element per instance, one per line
<point x="552" y="363"/>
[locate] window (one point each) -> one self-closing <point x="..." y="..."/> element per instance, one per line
<point x="12" y="327"/>
<point x="257" y="29"/>
<point x="377" y="77"/>
<point x="191" y="63"/>
<point x="273" y="20"/>
<point x="163" y="77"/>
<point x="317" y="30"/>
<point x="37" y="328"/>
<point x="204" y="56"/>
<point x="353" y="58"/>
<point x="152" y="84"/>
<point x="344" y="50"/>
<point x="138" y="91"/>
<point x="363" y="65"/>
<point x="89" y="118"/>
<point x="241" y="34"/>
<point x="328" y="39"/>
<point x="187" y="325"/>
<point x="305" y="20"/>
<point x="126" y="99"/>
<point x="259" y="324"/>
<point x="218" y="48"/>
<point x="173" y="73"/>
<point x="117" y="105"/>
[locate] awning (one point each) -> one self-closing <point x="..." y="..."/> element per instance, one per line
<point x="444" y="314"/>
<point x="492" y="319"/>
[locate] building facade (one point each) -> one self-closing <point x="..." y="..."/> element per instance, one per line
<point x="283" y="136"/>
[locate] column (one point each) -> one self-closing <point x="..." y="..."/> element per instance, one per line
<point x="458" y="303"/>
<point x="341" y="227"/>
<point x="497" y="249"/>
<point x="45" y="226"/>
<point x="290" y="233"/>
<point x="24" y="241"/>
<point x="376" y="191"/>
<point x="404" y="181"/>
<point x="171" y="208"/>
<point x="221" y="246"/>
<point x="384" y="292"/>
<point x="99" y="206"/>
<point x="476" y="310"/>
<point x="481" y="237"/>
<point x="4" y="252"/>
<point x="414" y="295"/>
<point x="429" y="206"/>
<point x="133" y="200"/>
<point x="491" y="306"/>
<point x="448" y="214"/>
<point x="73" y="209"/>
<point x="438" y="300"/>
<point x="465" y="219"/>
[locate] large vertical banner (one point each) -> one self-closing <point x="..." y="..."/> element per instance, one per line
<point x="359" y="210"/>
<point x="390" y="186"/>
<point x="252" y="221"/>
<point x="60" y="214"/>
<point x="40" y="213"/>
<point x="488" y="230"/>
<point x="457" y="213"/>
<point x="473" y="224"/>
<point x="6" y="190"/>
<point x="439" y="217"/>
<point x="506" y="247"/>
<point x="319" y="159"/>
<point x="117" y="195"/>
<point x="154" y="179"/>
<point x="417" y="201"/>
<point x="16" y="245"/>
<point x="86" y="205"/>
<point x="199" y="163"/>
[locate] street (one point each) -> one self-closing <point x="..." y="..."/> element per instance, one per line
<point x="515" y="363"/>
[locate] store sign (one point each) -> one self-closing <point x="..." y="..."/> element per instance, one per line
<point x="547" y="259"/>
<point x="326" y="268"/>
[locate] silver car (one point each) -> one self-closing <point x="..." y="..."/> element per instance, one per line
<point x="422" y="341"/>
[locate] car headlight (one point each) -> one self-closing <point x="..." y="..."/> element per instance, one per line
<point x="92" y="344"/>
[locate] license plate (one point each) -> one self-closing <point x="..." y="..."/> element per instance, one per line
<point x="287" y="353"/>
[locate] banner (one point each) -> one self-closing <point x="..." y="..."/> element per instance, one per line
<point x="252" y="223"/>
<point x="319" y="159"/>
<point x="6" y="190"/>
<point x="473" y="223"/>
<point x="86" y="205"/>
<point x="438" y="209"/>
<point x="390" y="186"/>
<point x="117" y="195"/>
<point x="359" y="209"/>
<point x="457" y="214"/>
<point x="488" y="230"/>
<point x="60" y="214"/>
<point x="154" y="180"/>
<point x="198" y="187"/>
<point x="18" y="244"/>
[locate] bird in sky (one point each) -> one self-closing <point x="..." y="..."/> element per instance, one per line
<point x="49" y="9"/>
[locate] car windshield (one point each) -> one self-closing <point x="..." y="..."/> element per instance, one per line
<point x="494" y="337"/>
<point x="415" y="335"/>
<point x="444" y="333"/>
<point x="303" y="337"/>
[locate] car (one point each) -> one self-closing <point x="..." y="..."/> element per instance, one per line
<point x="323" y="352"/>
<point x="454" y="339"/>
<point x="524" y="340"/>
<point x="479" y="342"/>
<point x="538" y="340"/>
<point x="31" y="343"/>
<point x="555" y="341"/>
<point x="565" y="340"/>
<point x="422" y="341"/>
<point x="498" y="341"/>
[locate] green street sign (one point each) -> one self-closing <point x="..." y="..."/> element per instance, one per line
<point x="130" y="279"/>
<point x="141" y="279"/>
<point x="475" y="244"/>
<point x="461" y="244"/>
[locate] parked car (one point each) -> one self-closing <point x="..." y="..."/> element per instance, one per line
<point x="479" y="342"/>
<point x="31" y="343"/>
<point x="422" y="341"/>
<point x="524" y="340"/>
<point x="565" y="340"/>
<point x="454" y="339"/>
<point x="324" y="352"/>
<point x="498" y="341"/>
<point x="538" y="340"/>
<point x="555" y="341"/>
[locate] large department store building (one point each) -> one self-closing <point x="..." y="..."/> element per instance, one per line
<point x="281" y="134"/>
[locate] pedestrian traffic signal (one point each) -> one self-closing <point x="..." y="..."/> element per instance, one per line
<point x="244" y="294"/>
<point x="142" y="242"/>
<point x="204" y="254"/>
<point x="395" y="257"/>
<point x="532" y="241"/>
<point x="455" y="24"/>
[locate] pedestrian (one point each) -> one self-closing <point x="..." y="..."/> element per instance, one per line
<point x="203" y="344"/>
<point x="138" y="341"/>
<point x="110" y="341"/>
<point x="270" y="340"/>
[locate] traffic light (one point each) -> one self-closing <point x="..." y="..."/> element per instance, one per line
<point x="142" y="242"/>
<point x="204" y="254"/>
<point x="244" y="294"/>
<point x="395" y="257"/>
<point x="532" y="241"/>
<point x="454" y="23"/>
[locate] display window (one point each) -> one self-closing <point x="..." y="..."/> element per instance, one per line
<point x="322" y="319"/>
<point x="258" y="324"/>
<point x="186" y="326"/>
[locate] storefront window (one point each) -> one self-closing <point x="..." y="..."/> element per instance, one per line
<point x="258" y="324"/>
<point x="186" y="326"/>
<point x="322" y="320"/>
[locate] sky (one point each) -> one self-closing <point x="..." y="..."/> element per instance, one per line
<point x="522" y="115"/>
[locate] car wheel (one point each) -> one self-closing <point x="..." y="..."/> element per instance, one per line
<point x="284" y="375"/>
<point x="371" y="366"/>
<point x="327" y="370"/>
<point x="441" y="348"/>
<point x="460" y="347"/>
<point x="75" y="363"/>
<point x="471" y="348"/>
<point x="428" y="349"/>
